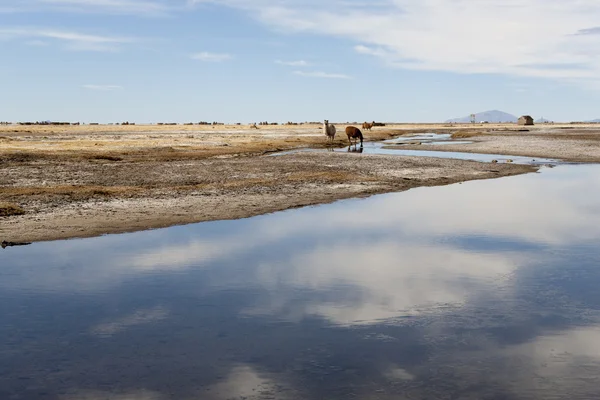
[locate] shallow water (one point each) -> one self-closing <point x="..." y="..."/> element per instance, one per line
<point x="423" y="138"/>
<point x="384" y="148"/>
<point x="482" y="290"/>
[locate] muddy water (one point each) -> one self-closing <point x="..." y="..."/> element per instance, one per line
<point x="481" y="290"/>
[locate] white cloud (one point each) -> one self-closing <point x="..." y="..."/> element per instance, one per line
<point x="514" y="37"/>
<point x="570" y="357"/>
<point x="392" y="287"/>
<point x="299" y="63"/>
<point x="139" y="317"/>
<point x="211" y="57"/>
<point x="397" y="374"/>
<point x="320" y="74"/>
<point x="551" y="39"/>
<point x="102" y="87"/>
<point x="71" y="40"/>
<point x="244" y="382"/>
<point x="361" y="49"/>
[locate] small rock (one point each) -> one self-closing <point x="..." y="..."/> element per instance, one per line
<point x="6" y="244"/>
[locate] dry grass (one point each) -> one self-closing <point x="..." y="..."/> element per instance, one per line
<point x="465" y="134"/>
<point x="106" y="157"/>
<point x="73" y="193"/>
<point x="10" y="209"/>
<point x="578" y="136"/>
<point x="324" y="176"/>
<point x="135" y="144"/>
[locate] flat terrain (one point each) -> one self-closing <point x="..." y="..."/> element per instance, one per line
<point x="59" y="182"/>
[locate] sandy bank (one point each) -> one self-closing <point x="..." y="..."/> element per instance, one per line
<point x="112" y="197"/>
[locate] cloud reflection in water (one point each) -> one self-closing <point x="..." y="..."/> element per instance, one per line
<point x="478" y="274"/>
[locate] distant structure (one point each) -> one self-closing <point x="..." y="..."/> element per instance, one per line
<point x="473" y="117"/>
<point x="525" y="120"/>
<point x="543" y="121"/>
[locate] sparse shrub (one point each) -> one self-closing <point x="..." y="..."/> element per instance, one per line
<point x="9" y="209"/>
<point x="465" y="134"/>
<point x="106" y="157"/>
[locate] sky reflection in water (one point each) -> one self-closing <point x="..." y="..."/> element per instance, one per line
<point x="485" y="289"/>
<point x="386" y="147"/>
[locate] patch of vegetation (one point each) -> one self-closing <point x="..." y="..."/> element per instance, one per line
<point x="10" y="209"/>
<point x="465" y="134"/>
<point x="106" y="157"/>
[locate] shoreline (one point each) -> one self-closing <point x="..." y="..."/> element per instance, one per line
<point x="95" y="217"/>
<point x="74" y="183"/>
<point x="578" y="147"/>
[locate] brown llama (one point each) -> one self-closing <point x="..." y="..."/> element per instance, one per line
<point x="354" y="133"/>
<point x="368" y="126"/>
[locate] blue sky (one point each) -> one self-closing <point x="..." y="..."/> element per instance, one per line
<point x="280" y="60"/>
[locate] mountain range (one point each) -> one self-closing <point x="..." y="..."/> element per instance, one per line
<point x="497" y="116"/>
<point x="492" y="116"/>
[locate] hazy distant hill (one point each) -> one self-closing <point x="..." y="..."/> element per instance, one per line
<point x="595" y="121"/>
<point x="489" y="116"/>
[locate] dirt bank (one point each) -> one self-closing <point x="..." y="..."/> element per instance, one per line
<point x="87" y="199"/>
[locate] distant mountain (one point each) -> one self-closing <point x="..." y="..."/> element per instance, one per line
<point x="489" y="116"/>
<point x="594" y="121"/>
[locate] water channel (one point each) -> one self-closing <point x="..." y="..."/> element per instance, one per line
<point x="482" y="290"/>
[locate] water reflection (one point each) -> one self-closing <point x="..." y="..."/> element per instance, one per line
<point x="485" y="289"/>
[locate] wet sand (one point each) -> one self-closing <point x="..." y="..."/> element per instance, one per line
<point x="90" y="180"/>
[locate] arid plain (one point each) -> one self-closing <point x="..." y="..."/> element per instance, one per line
<point x="59" y="182"/>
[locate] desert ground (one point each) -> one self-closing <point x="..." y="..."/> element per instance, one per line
<point x="61" y="182"/>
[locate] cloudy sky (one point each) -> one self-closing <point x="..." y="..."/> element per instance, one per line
<point x="280" y="60"/>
